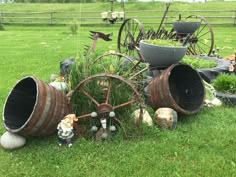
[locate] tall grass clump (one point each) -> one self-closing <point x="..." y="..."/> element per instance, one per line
<point x="225" y="83"/>
<point x="74" y="26"/>
<point x="83" y="76"/>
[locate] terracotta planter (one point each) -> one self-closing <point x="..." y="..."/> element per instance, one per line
<point x="161" y="56"/>
<point x="186" y="27"/>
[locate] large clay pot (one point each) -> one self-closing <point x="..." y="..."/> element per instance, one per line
<point x="161" y="56"/>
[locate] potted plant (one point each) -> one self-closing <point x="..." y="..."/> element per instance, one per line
<point x="187" y="26"/>
<point x="162" y="53"/>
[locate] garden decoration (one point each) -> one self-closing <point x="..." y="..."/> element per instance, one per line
<point x="66" y="130"/>
<point x="102" y="95"/>
<point x="209" y="74"/>
<point x="161" y="55"/>
<point x="34" y="108"/>
<point x="132" y="32"/>
<point x="201" y="41"/>
<point x="95" y="36"/>
<point x="179" y="87"/>
<point x="113" y="16"/>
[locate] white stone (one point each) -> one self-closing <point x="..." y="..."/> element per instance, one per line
<point x="59" y="85"/>
<point x="12" y="141"/>
<point x="146" y="117"/>
<point x="216" y="102"/>
<point x="166" y="118"/>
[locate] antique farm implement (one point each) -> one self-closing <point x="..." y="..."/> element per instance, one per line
<point x="201" y="41"/>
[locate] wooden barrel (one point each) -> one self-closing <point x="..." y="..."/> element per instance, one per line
<point x="179" y="87"/>
<point x="34" y="108"/>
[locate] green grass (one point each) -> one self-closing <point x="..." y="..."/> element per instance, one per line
<point x="198" y="63"/>
<point x="162" y="42"/>
<point x="225" y="83"/>
<point x="203" y="144"/>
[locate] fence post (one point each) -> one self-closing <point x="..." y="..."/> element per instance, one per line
<point x="1" y="17"/>
<point x="234" y="17"/>
<point x="51" y="14"/>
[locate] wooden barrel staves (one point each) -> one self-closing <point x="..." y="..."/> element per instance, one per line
<point x="34" y="108"/>
<point x="179" y="87"/>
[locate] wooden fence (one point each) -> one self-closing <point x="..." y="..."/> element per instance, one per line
<point x="219" y="17"/>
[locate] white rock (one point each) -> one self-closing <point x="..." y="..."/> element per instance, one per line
<point x="59" y="85"/>
<point x="166" y="118"/>
<point x="216" y="102"/>
<point x="146" y="117"/>
<point x="12" y="141"/>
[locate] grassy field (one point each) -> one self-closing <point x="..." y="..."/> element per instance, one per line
<point x="203" y="144"/>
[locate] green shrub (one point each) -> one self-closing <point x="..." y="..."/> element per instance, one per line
<point x="199" y="63"/>
<point x="74" y="26"/>
<point x="225" y="83"/>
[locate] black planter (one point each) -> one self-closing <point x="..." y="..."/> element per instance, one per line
<point x="227" y="98"/>
<point x="209" y="74"/>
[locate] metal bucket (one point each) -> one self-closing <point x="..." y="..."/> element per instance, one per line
<point x="179" y="87"/>
<point x="34" y="108"/>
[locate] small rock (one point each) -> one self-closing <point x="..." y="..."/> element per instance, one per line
<point x="216" y="102"/>
<point x="166" y="118"/>
<point x="59" y="85"/>
<point x="146" y="117"/>
<point x="12" y="141"/>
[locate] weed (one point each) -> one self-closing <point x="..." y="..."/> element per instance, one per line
<point x="74" y="26"/>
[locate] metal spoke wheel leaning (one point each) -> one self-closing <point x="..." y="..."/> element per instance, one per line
<point x="129" y="36"/>
<point x="121" y="64"/>
<point x="102" y="102"/>
<point x="201" y="41"/>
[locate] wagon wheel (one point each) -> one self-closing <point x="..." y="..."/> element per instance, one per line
<point x="202" y="40"/>
<point x="123" y="64"/>
<point x="129" y="36"/>
<point x="104" y="99"/>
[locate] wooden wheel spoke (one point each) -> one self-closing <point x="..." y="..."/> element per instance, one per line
<point x="89" y="96"/>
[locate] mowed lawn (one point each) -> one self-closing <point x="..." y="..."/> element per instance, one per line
<point x="203" y="144"/>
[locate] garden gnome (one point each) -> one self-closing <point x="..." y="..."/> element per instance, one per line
<point x="166" y="118"/>
<point x="66" y="130"/>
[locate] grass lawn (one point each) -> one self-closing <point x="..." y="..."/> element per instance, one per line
<point x="203" y="144"/>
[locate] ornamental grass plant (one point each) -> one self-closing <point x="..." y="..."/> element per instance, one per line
<point x="225" y="83"/>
